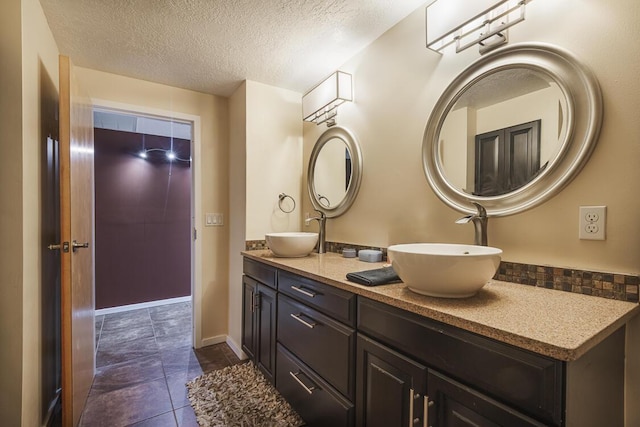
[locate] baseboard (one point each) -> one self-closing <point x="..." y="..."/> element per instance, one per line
<point x="130" y="307"/>
<point x="236" y="349"/>
<point x="213" y="340"/>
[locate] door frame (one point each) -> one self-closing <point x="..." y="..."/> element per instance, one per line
<point x="197" y="221"/>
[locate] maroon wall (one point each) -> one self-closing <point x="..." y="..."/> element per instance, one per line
<point x="143" y="225"/>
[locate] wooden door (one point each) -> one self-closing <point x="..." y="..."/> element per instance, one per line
<point x="391" y="387"/>
<point x="456" y="405"/>
<point x="266" y="351"/>
<point x="76" y="229"/>
<point x="249" y="291"/>
<point x="50" y="254"/>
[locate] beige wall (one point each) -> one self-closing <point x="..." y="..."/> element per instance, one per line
<point x="213" y="194"/>
<point x="397" y="82"/>
<point x="39" y="55"/>
<point x="274" y="132"/>
<point x="266" y="160"/>
<point x="237" y="210"/>
<point x="27" y="49"/>
<point x="11" y="223"/>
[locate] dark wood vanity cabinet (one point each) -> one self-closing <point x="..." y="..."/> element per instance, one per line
<point x="259" y="317"/>
<point x="437" y="375"/>
<point x="394" y="390"/>
<point x="342" y="360"/>
<point x="316" y="350"/>
<point x="391" y="387"/>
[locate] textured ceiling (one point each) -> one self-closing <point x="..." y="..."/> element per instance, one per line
<point x="213" y="45"/>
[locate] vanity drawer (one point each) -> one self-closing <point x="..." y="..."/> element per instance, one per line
<point x="527" y="381"/>
<point x="334" y="302"/>
<point x="261" y="272"/>
<point x="314" y="400"/>
<point x="327" y="346"/>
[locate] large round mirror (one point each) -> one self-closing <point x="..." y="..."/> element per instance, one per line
<point x="335" y="170"/>
<point x="512" y="129"/>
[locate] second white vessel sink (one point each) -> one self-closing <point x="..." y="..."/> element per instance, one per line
<point x="291" y="244"/>
<point x="444" y="270"/>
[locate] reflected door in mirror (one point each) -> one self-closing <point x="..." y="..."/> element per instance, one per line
<point x="506" y="159"/>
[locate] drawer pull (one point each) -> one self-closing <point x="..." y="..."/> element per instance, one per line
<point x="412" y="396"/>
<point x="425" y="416"/>
<point x="303" y="291"/>
<point x="304" y="322"/>
<point x="299" y="381"/>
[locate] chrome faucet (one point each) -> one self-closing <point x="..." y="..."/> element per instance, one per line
<point x="322" y="222"/>
<point x="480" y="221"/>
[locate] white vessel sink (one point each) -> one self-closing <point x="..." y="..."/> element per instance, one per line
<point x="444" y="270"/>
<point x="291" y="244"/>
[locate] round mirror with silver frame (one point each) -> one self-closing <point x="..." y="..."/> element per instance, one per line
<point x="512" y="129"/>
<point x="335" y="171"/>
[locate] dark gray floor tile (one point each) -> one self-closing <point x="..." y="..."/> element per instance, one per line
<point x="128" y="350"/>
<point x="179" y="326"/>
<point x="128" y="405"/>
<point x="98" y="325"/>
<point x="169" y="342"/>
<point x="168" y="419"/>
<point x="208" y="359"/>
<point x="176" y="361"/>
<point x="170" y="311"/>
<point x="98" y="322"/>
<point x="126" y="319"/>
<point x="125" y="374"/>
<point x="186" y="417"/>
<point x="230" y="355"/>
<point x="118" y="336"/>
<point x="178" y="390"/>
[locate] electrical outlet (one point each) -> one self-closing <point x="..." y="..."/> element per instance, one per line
<point x="307" y="215"/>
<point x="592" y="222"/>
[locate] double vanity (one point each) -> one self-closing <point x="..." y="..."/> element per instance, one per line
<point x="500" y="354"/>
<point x="344" y="354"/>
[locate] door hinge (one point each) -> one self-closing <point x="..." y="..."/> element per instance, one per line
<point x="195" y="233"/>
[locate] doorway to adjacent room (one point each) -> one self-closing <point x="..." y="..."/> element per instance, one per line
<point x="144" y="211"/>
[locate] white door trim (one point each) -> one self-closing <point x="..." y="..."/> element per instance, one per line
<point x="196" y="176"/>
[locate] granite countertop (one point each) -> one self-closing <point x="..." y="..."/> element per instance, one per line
<point x="561" y="325"/>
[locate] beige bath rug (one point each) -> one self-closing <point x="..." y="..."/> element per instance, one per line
<point x="239" y="396"/>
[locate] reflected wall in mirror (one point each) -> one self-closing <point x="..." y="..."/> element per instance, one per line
<point x="512" y="129"/>
<point x="332" y="172"/>
<point x="335" y="170"/>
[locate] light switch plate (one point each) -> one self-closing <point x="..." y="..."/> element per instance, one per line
<point x="213" y="220"/>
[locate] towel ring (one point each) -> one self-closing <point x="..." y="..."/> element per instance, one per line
<point x="324" y="201"/>
<point x="283" y="196"/>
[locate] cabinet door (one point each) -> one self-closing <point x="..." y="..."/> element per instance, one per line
<point x="453" y="404"/>
<point x="266" y="329"/>
<point x="249" y="292"/>
<point x="390" y="387"/>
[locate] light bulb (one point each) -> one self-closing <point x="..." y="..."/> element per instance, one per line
<point x="171" y="155"/>
<point x="143" y="154"/>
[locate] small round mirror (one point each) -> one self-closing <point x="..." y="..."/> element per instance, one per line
<point x="335" y="170"/>
<point x="512" y="129"/>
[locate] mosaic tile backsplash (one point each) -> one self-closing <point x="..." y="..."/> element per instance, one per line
<point x="621" y="287"/>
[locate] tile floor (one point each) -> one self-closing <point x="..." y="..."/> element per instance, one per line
<point x="143" y="359"/>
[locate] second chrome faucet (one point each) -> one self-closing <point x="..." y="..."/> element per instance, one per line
<point x="322" y="222"/>
<point x="480" y="221"/>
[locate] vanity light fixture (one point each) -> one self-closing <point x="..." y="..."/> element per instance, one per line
<point x="470" y="22"/>
<point x="319" y="105"/>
